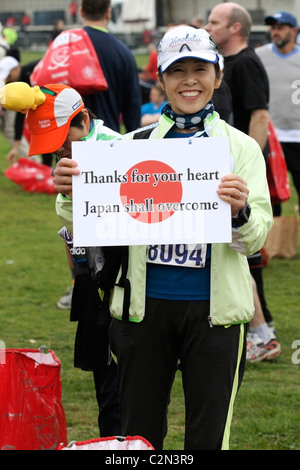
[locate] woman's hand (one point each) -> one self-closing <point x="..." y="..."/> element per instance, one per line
<point x="233" y="189"/>
<point x="63" y="172"/>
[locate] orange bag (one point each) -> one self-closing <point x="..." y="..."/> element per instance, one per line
<point x="71" y="59"/>
<point x="277" y="173"/>
<point x="31" y="413"/>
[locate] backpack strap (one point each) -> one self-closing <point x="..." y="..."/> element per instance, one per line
<point x="125" y="284"/>
<point x="143" y="134"/>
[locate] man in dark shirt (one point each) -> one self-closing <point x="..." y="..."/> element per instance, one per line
<point x="230" y="25"/>
<point x="122" y="101"/>
<point x="249" y="87"/>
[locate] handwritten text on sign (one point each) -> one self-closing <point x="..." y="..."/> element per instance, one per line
<point x="155" y="191"/>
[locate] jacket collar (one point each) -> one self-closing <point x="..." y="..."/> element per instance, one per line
<point x="165" y="124"/>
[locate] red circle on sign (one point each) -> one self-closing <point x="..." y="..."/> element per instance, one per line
<point x="151" y="191"/>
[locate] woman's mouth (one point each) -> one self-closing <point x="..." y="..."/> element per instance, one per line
<point x="190" y="94"/>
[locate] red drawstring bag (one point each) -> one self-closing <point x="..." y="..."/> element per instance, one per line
<point x="32" y="176"/>
<point x="72" y="60"/>
<point x="277" y="173"/>
<point x="31" y="413"/>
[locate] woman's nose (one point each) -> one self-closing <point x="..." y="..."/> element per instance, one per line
<point x="191" y="79"/>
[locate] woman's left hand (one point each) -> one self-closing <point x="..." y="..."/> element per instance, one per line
<point x="233" y="189"/>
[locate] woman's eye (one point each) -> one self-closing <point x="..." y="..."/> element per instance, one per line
<point x="176" y="67"/>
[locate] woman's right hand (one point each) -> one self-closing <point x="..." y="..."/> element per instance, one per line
<point x="62" y="175"/>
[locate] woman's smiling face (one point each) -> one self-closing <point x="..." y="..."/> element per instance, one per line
<point x="189" y="85"/>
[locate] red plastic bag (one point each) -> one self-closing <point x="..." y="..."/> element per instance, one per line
<point x="277" y="173"/>
<point x="71" y="59"/>
<point x="31" y="176"/>
<point x="31" y="413"/>
<point x="111" y="443"/>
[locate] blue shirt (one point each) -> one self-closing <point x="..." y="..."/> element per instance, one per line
<point x="166" y="276"/>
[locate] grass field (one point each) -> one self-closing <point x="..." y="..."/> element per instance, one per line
<point x="34" y="274"/>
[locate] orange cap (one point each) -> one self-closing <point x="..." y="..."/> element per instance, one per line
<point x="49" y="124"/>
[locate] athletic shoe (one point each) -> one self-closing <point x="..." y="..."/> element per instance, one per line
<point x="258" y="351"/>
<point x="254" y="353"/>
<point x="65" y="302"/>
<point x="273" y="349"/>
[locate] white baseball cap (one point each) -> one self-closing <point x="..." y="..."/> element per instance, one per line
<point x="182" y="42"/>
<point x="7" y="64"/>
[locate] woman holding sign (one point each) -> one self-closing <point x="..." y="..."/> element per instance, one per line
<point x="195" y="311"/>
<point x="189" y="304"/>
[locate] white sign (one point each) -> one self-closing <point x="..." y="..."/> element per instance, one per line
<point x="140" y="192"/>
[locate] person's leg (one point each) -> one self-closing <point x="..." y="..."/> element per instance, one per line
<point x="147" y="363"/>
<point x="258" y="324"/>
<point x="108" y="402"/>
<point x="261" y="341"/>
<point x="256" y="269"/>
<point x="65" y="302"/>
<point x="212" y="363"/>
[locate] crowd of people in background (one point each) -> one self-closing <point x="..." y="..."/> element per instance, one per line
<point x="257" y="89"/>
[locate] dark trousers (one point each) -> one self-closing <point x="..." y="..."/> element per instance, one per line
<point x="106" y="393"/>
<point x="211" y="363"/>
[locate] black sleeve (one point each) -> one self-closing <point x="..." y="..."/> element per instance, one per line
<point x="131" y="103"/>
<point x="19" y="125"/>
<point x="255" y="85"/>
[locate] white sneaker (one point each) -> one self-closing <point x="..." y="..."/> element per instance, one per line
<point x="65" y="302"/>
<point x="258" y="351"/>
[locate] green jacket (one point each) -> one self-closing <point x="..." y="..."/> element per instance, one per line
<point x="231" y="299"/>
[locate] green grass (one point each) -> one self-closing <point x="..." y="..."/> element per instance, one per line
<point x="34" y="274"/>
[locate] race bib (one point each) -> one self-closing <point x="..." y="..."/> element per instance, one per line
<point x="184" y="255"/>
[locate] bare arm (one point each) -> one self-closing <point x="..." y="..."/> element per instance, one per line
<point x="13" y="154"/>
<point x="258" y="127"/>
